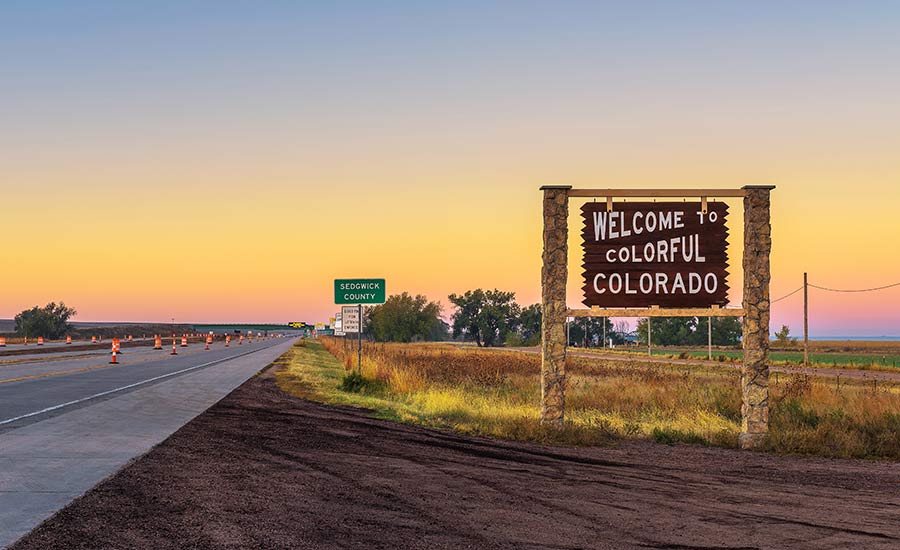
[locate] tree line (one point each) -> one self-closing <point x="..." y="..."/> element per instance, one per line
<point x="486" y="317"/>
<point x="494" y="318"/>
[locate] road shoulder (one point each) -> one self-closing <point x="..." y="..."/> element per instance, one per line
<point x="49" y="463"/>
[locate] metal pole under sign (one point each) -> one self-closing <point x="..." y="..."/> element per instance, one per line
<point x="359" y="342"/>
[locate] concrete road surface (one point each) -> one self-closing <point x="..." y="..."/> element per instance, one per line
<point x="70" y="421"/>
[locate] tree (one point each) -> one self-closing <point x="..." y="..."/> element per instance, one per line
<point x="667" y="331"/>
<point x="594" y="332"/>
<point x="622" y="332"/>
<point x="690" y="331"/>
<point x="783" y="336"/>
<point x="50" y="321"/>
<point x="726" y="331"/>
<point x="403" y="318"/>
<point x="485" y="317"/>
<point x="530" y="325"/>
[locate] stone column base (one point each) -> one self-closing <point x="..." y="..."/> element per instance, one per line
<point x="751" y="440"/>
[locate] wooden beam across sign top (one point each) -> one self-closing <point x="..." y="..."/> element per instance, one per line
<point x="656" y="193"/>
<point x="656" y="312"/>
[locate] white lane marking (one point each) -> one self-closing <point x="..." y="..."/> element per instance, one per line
<point x="107" y="392"/>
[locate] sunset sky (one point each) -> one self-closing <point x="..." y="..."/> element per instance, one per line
<point x="225" y="161"/>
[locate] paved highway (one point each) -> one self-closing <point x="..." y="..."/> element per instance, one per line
<point x="69" y="420"/>
<point x="33" y="345"/>
<point x="38" y="386"/>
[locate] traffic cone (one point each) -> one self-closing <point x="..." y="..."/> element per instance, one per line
<point x="227" y="340"/>
<point x="68" y="339"/>
<point x="26" y="341"/>
<point x="174" y="351"/>
<point x="241" y="340"/>
<point x="208" y="340"/>
<point x="93" y="339"/>
<point x="113" y="360"/>
<point x="117" y="346"/>
<point x="157" y="342"/>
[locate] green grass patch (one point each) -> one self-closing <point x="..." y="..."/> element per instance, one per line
<point x="820" y="359"/>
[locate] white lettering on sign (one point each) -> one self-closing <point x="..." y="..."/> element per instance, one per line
<point x="619" y="283"/>
<point x="613" y="225"/>
<point x="358" y="297"/>
<point x="668" y="254"/>
<point x="676" y="249"/>
<point x="374" y="285"/>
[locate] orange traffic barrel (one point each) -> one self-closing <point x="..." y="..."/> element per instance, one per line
<point x="68" y="339"/>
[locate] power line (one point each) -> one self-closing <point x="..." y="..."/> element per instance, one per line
<point x="788" y="295"/>
<point x="855" y="289"/>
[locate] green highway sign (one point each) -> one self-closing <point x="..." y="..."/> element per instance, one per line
<point x="359" y="291"/>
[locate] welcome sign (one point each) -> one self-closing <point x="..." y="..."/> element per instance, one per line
<point x="667" y="254"/>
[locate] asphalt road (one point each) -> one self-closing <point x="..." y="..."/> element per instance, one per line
<point x="69" y="420"/>
<point x="32" y="389"/>
<point x="33" y="345"/>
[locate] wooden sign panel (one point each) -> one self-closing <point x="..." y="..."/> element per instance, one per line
<point x="667" y="254"/>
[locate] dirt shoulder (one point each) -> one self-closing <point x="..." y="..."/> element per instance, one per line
<point x="265" y="470"/>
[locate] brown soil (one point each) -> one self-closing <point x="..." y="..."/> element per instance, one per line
<point x="264" y="470"/>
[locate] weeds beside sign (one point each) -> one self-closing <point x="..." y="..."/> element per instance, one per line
<point x="359" y="291"/>
<point x="667" y="254"/>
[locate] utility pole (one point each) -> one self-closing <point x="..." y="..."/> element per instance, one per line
<point x="649" y="347"/>
<point x="568" y="332"/>
<point x="709" y="338"/>
<point x="604" y="331"/>
<point x="805" y="322"/>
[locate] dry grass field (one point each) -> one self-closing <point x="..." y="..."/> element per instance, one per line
<point x="497" y="393"/>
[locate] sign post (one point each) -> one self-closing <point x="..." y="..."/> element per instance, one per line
<point x="359" y="292"/>
<point x="658" y="259"/>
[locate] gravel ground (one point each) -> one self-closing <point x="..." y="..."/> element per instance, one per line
<point x="261" y="469"/>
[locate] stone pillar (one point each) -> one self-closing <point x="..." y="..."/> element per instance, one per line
<point x="553" y="303"/>
<point x="755" y="369"/>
